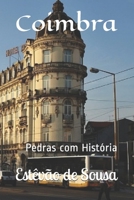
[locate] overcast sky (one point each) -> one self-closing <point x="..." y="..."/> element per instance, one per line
<point x="110" y="51"/>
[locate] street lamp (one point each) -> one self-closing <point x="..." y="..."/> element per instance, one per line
<point x="116" y="153"/>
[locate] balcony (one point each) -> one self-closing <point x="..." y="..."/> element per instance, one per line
<point x="10" y="124"/>
<point x="67" y="119"/>
<point x="60" y="67"/>
<point x="23" y="120"/>
<point x="45" y="119"/>
<point x="61" y="91"/>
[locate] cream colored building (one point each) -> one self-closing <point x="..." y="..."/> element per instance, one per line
<point x="42" y="97"/>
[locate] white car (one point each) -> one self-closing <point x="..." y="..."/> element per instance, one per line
<point x="7" y="177"/>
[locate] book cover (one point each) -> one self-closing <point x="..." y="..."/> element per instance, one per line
<point x="66" y="95"/>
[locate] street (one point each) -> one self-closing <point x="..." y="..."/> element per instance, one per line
<point x="25" y="191"/>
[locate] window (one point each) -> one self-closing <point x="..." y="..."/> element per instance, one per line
<point x="67" y="107"/>
<point x="82" y="84"/>
<point x="46" y="82"/>
<point x="24" y="110"/>
<point x="81" y="59"/>
<point x="67" y="136"/>
<point x="68" y="81"/>
<point x="67" y="55"/>
<point x="45" y="134"/>
<point x="28" y="61"/>
<point x="22" y="136"/>
<point x="46" y="56"/>
<point x="45" y="108"/>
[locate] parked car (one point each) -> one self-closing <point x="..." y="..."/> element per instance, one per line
<point x="7" y="177"/>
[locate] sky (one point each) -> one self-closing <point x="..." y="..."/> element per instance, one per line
<point x="111" y="51"/>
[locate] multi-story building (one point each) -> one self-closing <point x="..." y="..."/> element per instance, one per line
<point x="42" y="97"/>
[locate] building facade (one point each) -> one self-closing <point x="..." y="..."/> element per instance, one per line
<point x="42" y="97"/>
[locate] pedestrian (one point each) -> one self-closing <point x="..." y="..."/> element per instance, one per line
<point x="104" y="187"/>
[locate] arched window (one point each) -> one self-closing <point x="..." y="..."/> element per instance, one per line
<point x="68" y="80"/>
<point x="45" y="108"/>
<point x="46" y="82"/>
<point x="67" y="107"/>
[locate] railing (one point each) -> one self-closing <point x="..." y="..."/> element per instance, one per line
<point x="60" y="91"/>
<point x="10" y="123"/>
<point x="23" y="120"/>
<point x="45" y="119"/>
<point x="61" y="66"/>
<point x="67" y="119"/>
